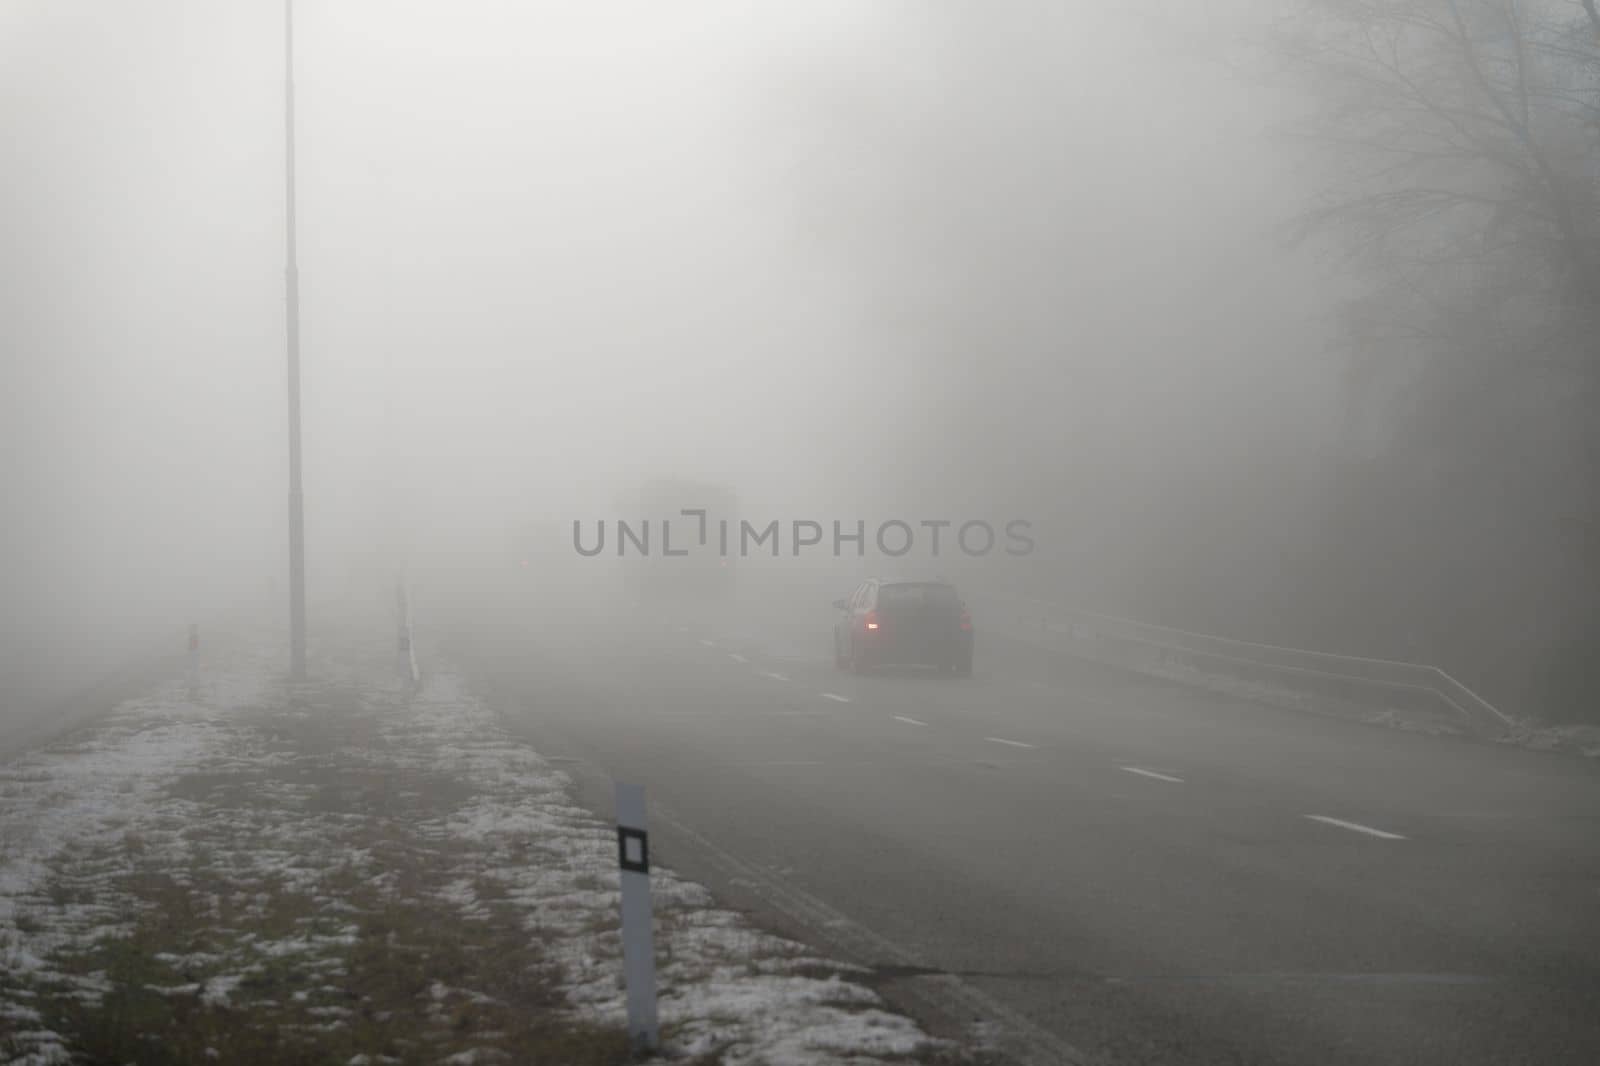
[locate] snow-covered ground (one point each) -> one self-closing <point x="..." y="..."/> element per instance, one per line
<point x="231" y="868"/>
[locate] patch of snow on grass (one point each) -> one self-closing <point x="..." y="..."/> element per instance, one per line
<point x="77" y="819"/>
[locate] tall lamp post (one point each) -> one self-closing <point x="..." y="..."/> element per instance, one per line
<point x="297" y="545"/>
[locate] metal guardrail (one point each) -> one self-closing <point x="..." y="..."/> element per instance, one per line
<point x="1066" y="627"/>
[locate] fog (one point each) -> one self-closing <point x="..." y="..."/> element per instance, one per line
<point x="1150" y="449"/>
<point x="851" y="260"/>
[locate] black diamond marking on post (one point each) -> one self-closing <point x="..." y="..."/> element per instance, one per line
<point x="624" y="835"/>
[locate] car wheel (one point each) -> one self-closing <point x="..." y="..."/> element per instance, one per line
<point x="962" y="667"/>
<point x="858" y="665"/>
<point x="839" y="662"/>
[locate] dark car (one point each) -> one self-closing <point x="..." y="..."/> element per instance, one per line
<point x="903" y="623"/>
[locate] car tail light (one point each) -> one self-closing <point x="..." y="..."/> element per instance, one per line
<point x="966" y="619"/>
<point x="872" y="619"/>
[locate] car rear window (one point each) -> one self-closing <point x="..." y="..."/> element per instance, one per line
<point x="917" y="595"/>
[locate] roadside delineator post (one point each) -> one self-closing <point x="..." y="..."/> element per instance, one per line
<point x="638" y="948"/>
<point x="406" y="655"/>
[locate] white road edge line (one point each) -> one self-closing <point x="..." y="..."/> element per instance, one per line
<point x="709" y="643"/>
<point x="835" y="697"/>
<point x="775" y="677"/>
<point x="736" y="657"/>
<point x="907" y="721"/>
<point x="1151" y="773"/>
<point x="1355" y="827"/>
<point x="1003" y="740"/>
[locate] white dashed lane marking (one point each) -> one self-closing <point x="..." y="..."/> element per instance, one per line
<point x="775" y="677"/>
<point x="835" y="697"/>
<point x="907" y="721"/>
<point x="1012" y="743"/>
<point x="1355" y="827"/>
<point x="736" y="657"/>
<point x="1152" y="773"/>
<point x="708" y="643"/>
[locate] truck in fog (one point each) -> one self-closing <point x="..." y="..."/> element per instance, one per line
<point x="678" y="540"/>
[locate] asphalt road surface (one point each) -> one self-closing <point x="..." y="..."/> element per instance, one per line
<point x="1097" y="867"/>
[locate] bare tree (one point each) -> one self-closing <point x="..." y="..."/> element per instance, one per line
<point x="1464" y="132"/>
<point x="1461" y="144"/>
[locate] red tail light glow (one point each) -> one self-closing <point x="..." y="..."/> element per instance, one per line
<point x="872" y="619"/>
<point x="966" y="619"/>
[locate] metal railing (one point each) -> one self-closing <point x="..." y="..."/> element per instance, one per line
<point x="1085" y="632"/>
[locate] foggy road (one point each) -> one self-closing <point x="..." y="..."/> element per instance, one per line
<point x="1146" y="873"/>
<point x="1266" y="322"/>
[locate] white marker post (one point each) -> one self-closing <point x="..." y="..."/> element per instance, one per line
<point x="638" y="948"/>
<point x="406" y="654"/>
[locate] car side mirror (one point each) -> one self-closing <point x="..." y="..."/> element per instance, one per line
<point x="839" y="605"/>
